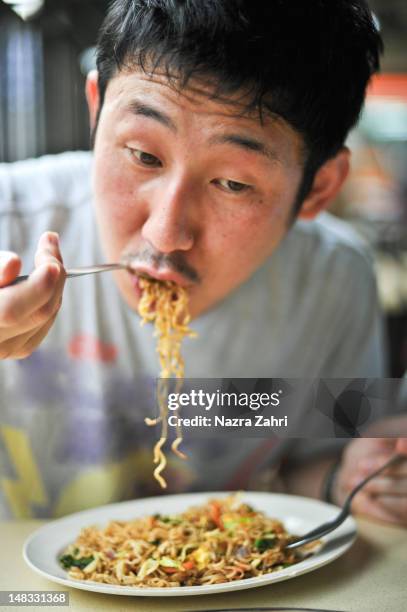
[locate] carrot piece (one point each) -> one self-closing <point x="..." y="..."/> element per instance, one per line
<point x="170" y="570"/>
<point x="188" y="565"/>
<point x="151" y="521"/>
<point x="215" y="514"/>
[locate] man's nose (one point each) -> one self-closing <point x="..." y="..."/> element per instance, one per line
<point x="169" y="224"/>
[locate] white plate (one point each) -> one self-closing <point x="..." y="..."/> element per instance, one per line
<point x="298" y="514"/>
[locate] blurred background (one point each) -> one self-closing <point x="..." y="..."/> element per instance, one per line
<point x="46" y="50"/>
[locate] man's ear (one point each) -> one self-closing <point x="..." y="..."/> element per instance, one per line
<point x="327" y="183"/>
<point x="92" y="96"/>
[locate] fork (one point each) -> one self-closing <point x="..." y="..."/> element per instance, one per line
<point x="72" y="272"/>
<point x="329" y="526"/>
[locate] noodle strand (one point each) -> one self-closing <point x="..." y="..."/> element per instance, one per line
<point x="166" y="305"/>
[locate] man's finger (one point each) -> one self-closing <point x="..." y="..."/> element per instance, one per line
<point x="33" y="341"/>
<point x="401" y="446"/>
<point x="387" y="486"/>
<point x="389" y="426"/>
<point x="367" y="466"/>
<point x="394" y="505"/>
<point x="9" y="347"/>
<point x="10" y="266"/>
<point x="51" y="307"/>
<point x="18" y="302"/>
<point x="48" y="249"/>
<point x="365" y="505"/>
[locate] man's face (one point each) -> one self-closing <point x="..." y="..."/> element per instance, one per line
<point x="192" y="189"/>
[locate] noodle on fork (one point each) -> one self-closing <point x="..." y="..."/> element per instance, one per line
<point x="166" y="305"/>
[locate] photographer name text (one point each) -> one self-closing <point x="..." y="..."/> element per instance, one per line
<point x="257" y="420"/>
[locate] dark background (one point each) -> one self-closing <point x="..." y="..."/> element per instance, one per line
<point x="57" y="36"/>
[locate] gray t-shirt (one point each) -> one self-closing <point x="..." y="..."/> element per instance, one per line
<point x="72" y="433"/>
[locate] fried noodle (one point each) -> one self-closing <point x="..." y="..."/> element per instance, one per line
<point x="221" y="541"/>
<point x="165" y="304"/>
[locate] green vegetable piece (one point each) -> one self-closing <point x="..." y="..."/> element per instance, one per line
<point x="68" y="561"/>
<point x="266" y="542"/>
<point x="170" y="519"/>
<point x="231" y="524"/>
<point x="155" y="542"/>
<point x="167" y="562"/>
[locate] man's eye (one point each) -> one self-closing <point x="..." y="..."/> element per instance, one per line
<point x="233" y="186"/>
<point x="146" y="158"/>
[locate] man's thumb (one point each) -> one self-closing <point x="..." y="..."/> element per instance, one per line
<point x="401" y="446"/>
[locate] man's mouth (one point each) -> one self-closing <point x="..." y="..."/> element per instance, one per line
<point x="159" y="274"/>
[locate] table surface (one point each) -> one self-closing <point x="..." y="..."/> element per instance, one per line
<point x="371" y="576"/>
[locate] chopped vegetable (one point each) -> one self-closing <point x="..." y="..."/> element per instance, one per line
<point x="121" y="568"/>
<point x="242" y="552"/>
<point x="68" y="561"/>
<point x="167" y="562"/>
<point x="188" y="565"/>
<point x="215" y="514"/>
<point x="167" y="519"/>
<point x="171" y="570"/>
<point x="148" y="567"/>
<point x="201" y="557"/>
<point x="231" y="522"/>
<point x="267" y="541"/>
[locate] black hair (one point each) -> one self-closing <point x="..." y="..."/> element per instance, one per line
<point x="307" y="61"/>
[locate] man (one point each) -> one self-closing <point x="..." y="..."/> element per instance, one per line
<point x="216" y="124"/>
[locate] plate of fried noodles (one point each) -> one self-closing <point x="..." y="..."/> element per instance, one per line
<point x="189" y="544"/>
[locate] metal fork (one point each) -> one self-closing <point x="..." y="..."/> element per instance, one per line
<point x="72" y="272"/>
<point x="329" y="526"/>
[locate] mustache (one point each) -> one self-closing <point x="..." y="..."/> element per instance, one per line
<point x="173" y="261"/>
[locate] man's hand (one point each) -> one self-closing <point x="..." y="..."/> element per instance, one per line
<point x="401" y="446"/>
<point x="385" y="497"/>
<point x="28" y="309"/>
